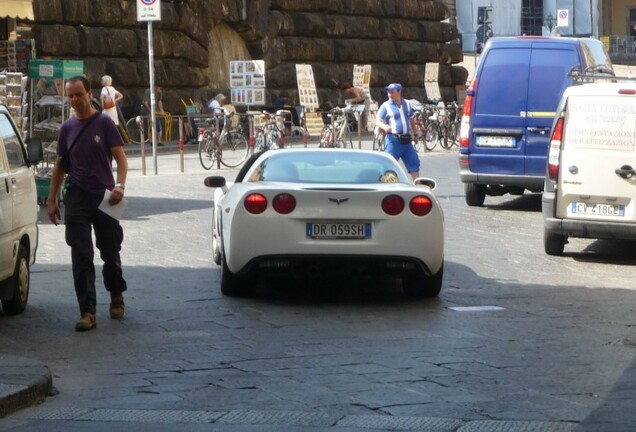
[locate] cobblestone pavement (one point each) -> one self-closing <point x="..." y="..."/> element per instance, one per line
<point x="517" y="341"/>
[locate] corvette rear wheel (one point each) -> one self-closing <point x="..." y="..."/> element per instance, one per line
<point x="231" y="284"/>
<point x="216" y="244"/>
<point x="422" y="286"/>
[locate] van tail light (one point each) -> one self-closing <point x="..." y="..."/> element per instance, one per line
<point x="421" y="205"/>
<point x="555" y="150"/>
<point x="255" y="203"/>
<point x="464" y="128"/>
<point x="284" y="203"/>
<point x="393" y="205"/>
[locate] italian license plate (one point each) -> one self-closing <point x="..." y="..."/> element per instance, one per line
<point x="597" y="209"/>
<point x="345" y="231"/>
<point x="495" y="141"/>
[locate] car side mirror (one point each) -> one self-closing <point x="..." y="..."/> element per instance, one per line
<point x="425" y="181"/>
<point x="35" y="152"/>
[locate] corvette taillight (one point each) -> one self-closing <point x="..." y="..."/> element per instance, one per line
<point x="255" y="203"/>
<point x="284" y="203"/>
<point x="555" y="150"/>
<point x="421" y="205"/>
<point x="393" y="205"/>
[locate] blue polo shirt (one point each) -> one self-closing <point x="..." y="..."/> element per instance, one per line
<point x="397" y="116"/>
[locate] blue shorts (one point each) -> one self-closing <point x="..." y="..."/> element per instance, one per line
<point x="407" y="152"/>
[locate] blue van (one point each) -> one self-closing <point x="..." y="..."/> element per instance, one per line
<point x="509" y="108"/>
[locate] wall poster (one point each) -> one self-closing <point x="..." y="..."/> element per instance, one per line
<point x="307" y="94"/>
<point x="362" y="77"/>
<point x="247" y="82"/>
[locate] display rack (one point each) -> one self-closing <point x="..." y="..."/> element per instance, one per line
<point x="13" y="93"/>
<point x="16" y="54"/>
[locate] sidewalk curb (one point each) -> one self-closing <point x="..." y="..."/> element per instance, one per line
<point x="23" y="382"/>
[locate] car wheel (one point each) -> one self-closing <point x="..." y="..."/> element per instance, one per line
<point x="19" y="285"/>
<point x="553" y="243"/>
<point x="474" y="194"/>
<point x="232" y="285"/>
<point x="216" y="246"/>
<point x="421" y="286"/>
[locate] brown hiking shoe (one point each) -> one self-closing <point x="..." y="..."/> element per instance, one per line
<point x="86" y="322"/>
<point x="117" y="306"/>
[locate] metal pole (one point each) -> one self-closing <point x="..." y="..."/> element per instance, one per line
<point x="591" y="19"/>
<point x="573" y="17"/>
<point x="153" y="116"/>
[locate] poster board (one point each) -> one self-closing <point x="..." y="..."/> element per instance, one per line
<point x="362" y="77"/>
<point x="307" y="94"/>
<point x="431" y="82"/>
<point x="247" y="82"/>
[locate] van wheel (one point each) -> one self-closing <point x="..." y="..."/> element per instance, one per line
<point x="553" y="243"/>
<point x="19" y="285"/>
<point x="474" y="194"/>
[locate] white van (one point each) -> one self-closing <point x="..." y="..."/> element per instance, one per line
<point x="590" y="186"/>
<point x="18" y="214"/>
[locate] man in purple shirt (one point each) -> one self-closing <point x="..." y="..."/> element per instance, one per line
<point x="93" y="141"/>
<point x="395" y="118"/>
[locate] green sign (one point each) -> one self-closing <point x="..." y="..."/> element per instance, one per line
<point x="55" y="68"/>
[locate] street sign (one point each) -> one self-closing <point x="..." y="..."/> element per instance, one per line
<point x="148" y="10"/>
<point x="563" y="18"/>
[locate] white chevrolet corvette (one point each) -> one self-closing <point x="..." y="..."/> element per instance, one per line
<point x="302" y="213"/>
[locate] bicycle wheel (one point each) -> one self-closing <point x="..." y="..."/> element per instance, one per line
<point x="432" y="136"/>
<point x="454" y="135"/>
<point x="234" y="149"/>
<point x="444" y="136"/>
<point x="326" y="137"/>
<point x="134" y="132"/>
<point x="378" y="141"/>
<point x="259" y="141"/>
<point x="273" y="140"/>
<point x="344" y="139"/>
<point x="207" y="150"/>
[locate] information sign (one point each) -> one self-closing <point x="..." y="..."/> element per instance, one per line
<point x="148" y="10"/>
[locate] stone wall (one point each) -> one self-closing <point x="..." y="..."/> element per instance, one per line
<point x="196" y="39"/>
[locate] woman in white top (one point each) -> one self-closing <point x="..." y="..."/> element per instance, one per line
<point x="109" y="90"/>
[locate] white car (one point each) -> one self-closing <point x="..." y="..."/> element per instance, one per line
<point x="302" y="213"/>
<point x="590" y="186"/>
<point x="18" y="214"/>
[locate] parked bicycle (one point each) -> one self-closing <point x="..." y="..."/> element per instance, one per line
<point x="449" y="125"/>
<point x="133" y="127"/>
<point x="229" y="148"/>
<point x="270" y="135"/>
<point x="443" y="125"/>
<point x="338" y="132"/>
<point x="378" y="139"/>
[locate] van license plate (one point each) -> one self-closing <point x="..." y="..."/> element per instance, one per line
<point x="495" y="141"/>
<point x="338" y="231"/>
<point x="597" y="209"/>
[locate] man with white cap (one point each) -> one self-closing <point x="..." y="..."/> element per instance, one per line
<point x="395" y="118"/>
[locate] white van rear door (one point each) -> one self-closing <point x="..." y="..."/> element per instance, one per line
<point x="598" y="144"/>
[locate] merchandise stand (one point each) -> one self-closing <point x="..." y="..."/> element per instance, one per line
<point x="49" y="112"/>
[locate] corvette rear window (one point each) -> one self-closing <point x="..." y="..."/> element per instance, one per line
<point x="327" y="167"/>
